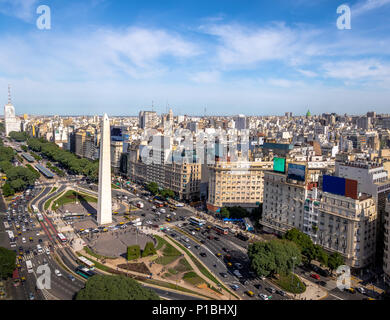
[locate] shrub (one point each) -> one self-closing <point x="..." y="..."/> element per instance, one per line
<point x="133" y="252"/>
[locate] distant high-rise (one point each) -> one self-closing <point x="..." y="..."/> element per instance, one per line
<point x="240" y="122"/>
<point x="104" y="212"/>
<point x="11" y="122"/>
<point x="147" y="119"/>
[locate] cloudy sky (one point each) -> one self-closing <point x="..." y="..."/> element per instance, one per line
<point x="228" y="56"/>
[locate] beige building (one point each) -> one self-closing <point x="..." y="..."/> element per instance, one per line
<point x="86" y="144"/>
<point x="236" y="184"/>
<point x="386" y="255"/>
<point x="337" y="223"/>
<point x="182" y="178"/>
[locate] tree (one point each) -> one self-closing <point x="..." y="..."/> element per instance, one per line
<point x="8" y="190"/>
<point x="104" y="287"/>
<point x="133" y="252"/>
<point x="166" y="193"/>
<point x="7" y="262"/>
<point x="152" y="187"/>
<point x="335" y="260"/>
<point x="149" y="250"/>
<point x="224" y="212"/>
<point x="274" y="257"/>
<point x="303" y="241"/>
<point x="18" y="136"/>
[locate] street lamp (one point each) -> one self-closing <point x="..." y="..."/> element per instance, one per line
<point x="292" y="275"/>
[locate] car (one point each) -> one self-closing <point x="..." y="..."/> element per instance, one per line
<point x="57" y="273"/>
<point x="23" y="240"/>
<point x="258" y="286"/>
<point x="262" y="278"/>
<point x="234" y="287"/>
<point x="40" y="240"/>
<point x="203" y="254"/>
<point x="281" y="293"/>
<point x="245" y="282"/>
<point x="202" y="241"/>
<point x="188" y="246"/>
<point x="315" y="276"/>
<point x="263" y="296"/>
<point x="219" y="255"/>
<point x="350" y="290"/>
<point x="271" y="290"/>
<point x="238" y="265"/>
<point x="71" y="278"/>
<point x="361" y="290"/>
<point x="196" y="247"/>
<point x="249" y="293"/>
<point x="223" y="274"/>
<point x="322" y="283"/>
<point x="31" y="296"/>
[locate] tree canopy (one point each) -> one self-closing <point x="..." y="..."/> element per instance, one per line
<point x="65" y="158"/>
<point x="274" y="257"/>
<point x="18" y="136"/>
<point x="7" y="262"/>
<point x="104" y="287"/>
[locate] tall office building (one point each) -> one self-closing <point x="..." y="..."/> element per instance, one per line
<point x="11" y="122"/>
<point x="147" y="119"/>
<point x="104" y="212"/>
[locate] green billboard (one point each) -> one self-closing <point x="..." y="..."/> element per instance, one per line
<point x="279" y="164"/>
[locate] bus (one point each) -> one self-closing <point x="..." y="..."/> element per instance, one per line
<point x="39" y="216"/>
<point x="87" y="262"/>
<point x="84" y="272"/>
<point x="35" y="209"/>
<point x="11" y="238"/>
<point x="158" y="203"/>
<point x="29" y="266"/>
<point x="61" y="237"/>
<point x="220" y="230"/>
<point x="196" y="221"/>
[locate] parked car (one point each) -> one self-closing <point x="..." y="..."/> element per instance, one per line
<point x="271" y="290"/>
<point x="361" y="290"/>
<point x="315" y="276"/>
<point x="263" y="296"/>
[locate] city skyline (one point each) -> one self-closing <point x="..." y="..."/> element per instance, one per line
<point x="226" y="57"/>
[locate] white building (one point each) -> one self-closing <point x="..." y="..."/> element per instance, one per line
<point x="11" y="122"/>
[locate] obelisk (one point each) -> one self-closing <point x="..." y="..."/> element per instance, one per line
<point x="104" y="212"/>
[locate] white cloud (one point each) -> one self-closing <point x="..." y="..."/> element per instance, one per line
<point x="135" y="52"/>
<point x="358" y="70"/>
<point x="21" y="9"/>
<point x="205" y="77"/>
<point x="365" y="6"/>
<point x="308" y="73"/>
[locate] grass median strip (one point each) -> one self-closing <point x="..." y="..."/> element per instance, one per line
<point x="202" y="269"/>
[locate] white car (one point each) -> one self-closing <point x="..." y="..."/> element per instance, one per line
<point x="361" y="290"/>
<point x="263" y="296"/>
<point x="57" y="272"/>
<point x="47" y="251"/>
<point x="23" y="240"/>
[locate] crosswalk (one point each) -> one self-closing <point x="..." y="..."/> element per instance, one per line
<point x="31" y="255"/>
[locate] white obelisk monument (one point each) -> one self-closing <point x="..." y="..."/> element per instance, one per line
<point x="104" y="212"/>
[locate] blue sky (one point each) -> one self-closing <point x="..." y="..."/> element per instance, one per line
<point x="230" y="56"/>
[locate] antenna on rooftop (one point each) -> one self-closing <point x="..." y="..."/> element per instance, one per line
<point x="9" y="94"/>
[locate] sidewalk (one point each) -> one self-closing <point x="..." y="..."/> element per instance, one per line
<point x="313" y="291"/>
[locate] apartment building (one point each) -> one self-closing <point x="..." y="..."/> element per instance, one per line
<point x="348" y="226"/>
<point x="386" y="254"/>
<point x="339" y="223"/>
<point x="182" y="178"/>
<point x="237" y="183"/>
